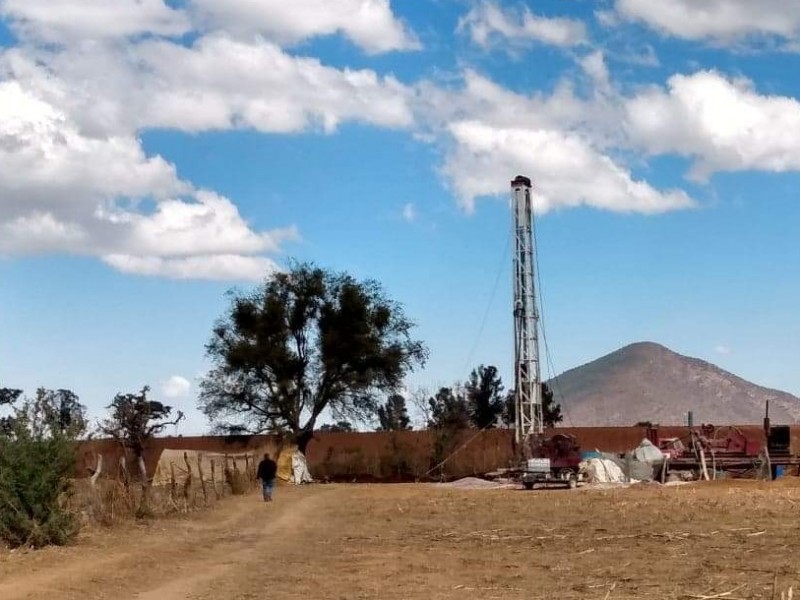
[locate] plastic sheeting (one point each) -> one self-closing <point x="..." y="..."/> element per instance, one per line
<point x="292" y="466"/>
<point x="602" y="470"/>
<point x="285" y="463"/>
<point x="648" y="453"/>
<point x="300" y="469"/>
<point x="183" y="463"/>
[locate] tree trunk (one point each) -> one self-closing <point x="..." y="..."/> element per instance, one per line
<point x="144" y="507"/>
<point x="304" y="439"/>
<point x="97" y="470"/>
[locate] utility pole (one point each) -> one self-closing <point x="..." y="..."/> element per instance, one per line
<point x="527" y="376"/>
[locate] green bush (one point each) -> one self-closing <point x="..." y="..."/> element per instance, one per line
<point x="35" y="466"/>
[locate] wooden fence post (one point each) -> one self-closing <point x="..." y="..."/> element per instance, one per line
<point x="214" y="479"/>
<point x="188" y="483"/>
<point x="202" y="478"/>
<point x="173" y="484"/>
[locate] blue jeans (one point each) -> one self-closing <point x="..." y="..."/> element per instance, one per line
<point x="268" y="487"/>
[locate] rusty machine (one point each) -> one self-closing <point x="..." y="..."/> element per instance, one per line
<point x="706" y="450"/>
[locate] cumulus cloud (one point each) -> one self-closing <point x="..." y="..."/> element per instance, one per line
<point x="723" y="124"/>
<point x="724" y="350"/>
<point x="719" y="20"/>
<point x="481" y="99"/>
<point x="176" y="387"/>
<point x="409" y="213"/>
<point x="565" y="143"/>
<point x="63" y="191"/>
<point x="74" y="176"/>
<point x="488" y="22"/>
<point x="90" y="75"/>
<point x="223" y="83"/>
<point x="566" y="169"/>
<point x="221" y="267"/>
<point x="70" y="20"/>
<point x="594" y="65"/>
<point x="370" y="24"/>
<point x="216" y="83"/>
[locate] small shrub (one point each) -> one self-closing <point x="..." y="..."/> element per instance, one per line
<point x="34" y="478"/>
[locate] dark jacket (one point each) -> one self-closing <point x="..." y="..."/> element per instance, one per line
<point x="267" y="469"/>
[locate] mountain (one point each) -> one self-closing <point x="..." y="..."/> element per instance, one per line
<point x="648" y="382"/>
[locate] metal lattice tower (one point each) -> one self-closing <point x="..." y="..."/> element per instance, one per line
<point x="527" y="387"/>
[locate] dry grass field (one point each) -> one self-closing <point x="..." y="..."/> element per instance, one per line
<point x="723" y="540"/>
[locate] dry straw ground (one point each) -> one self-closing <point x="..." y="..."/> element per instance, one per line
<point x="716" y="540"/>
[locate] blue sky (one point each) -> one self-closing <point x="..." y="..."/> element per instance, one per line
<point x="153" y="155"/>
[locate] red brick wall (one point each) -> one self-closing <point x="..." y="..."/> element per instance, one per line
<point x="398" y="455"/>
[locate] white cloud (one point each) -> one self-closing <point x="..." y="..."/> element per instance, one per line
<point x="74" y="176"/>
<point x="563" y="142"/>
<point x="409" y="213"/>
<point x="489" y="21"/>
<point x="221" y="267"/>
<point x="209" y="225"/>
<point x="724" y="124"/>
<point x="370" y="24"/>
<point x="724" y="350"/>
<point x="63" y="191"/>
<point x="223" y="83"/>
<point x="481" y="99"/>
<point x="45" y="162"/>
<point x="216" y="83"/>
<point x="72" y="20"/>
<point x="719" y="20"/>
<point x="594" y="65"/>
<point x="565" y="168"/>
<point x="176" y="387"/>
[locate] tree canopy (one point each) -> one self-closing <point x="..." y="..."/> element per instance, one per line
<point x="448" y="410"/>
<point x="135" y="419"/>
<point x="306" y="341"/>
<point x="484" y="390"/>
<point x="551" y="410"/>
<point x="338" y="427"/>
<point x="393" y="414"/>
<point x="49" y="412"/>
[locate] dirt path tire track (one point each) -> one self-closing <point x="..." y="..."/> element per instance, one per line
<point x="165" y="562"/>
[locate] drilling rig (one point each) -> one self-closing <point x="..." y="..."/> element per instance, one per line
<point x="542" y="460"/>
<point x="527" y="372"/>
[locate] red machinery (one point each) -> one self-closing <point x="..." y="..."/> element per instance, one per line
<point x="708" y="449"/>
<point x="554" y="460"/>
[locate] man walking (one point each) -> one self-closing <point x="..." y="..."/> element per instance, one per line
<point x="267" y="469"/>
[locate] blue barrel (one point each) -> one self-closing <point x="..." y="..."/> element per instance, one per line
<point x="778" y="471"/>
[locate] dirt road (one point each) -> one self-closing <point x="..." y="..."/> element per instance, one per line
<point x="164" y="560"/>
<point x="433" y="543"/>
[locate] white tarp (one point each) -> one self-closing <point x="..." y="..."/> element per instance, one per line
<point x="300" y="472"/>
<point x="602" y="470"/>
<point x="648" y="453"/>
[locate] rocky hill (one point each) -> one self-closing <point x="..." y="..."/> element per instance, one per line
<point x="648" y="382"/>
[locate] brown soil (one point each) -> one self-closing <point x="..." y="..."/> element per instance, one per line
<point x="435" y="542"/>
